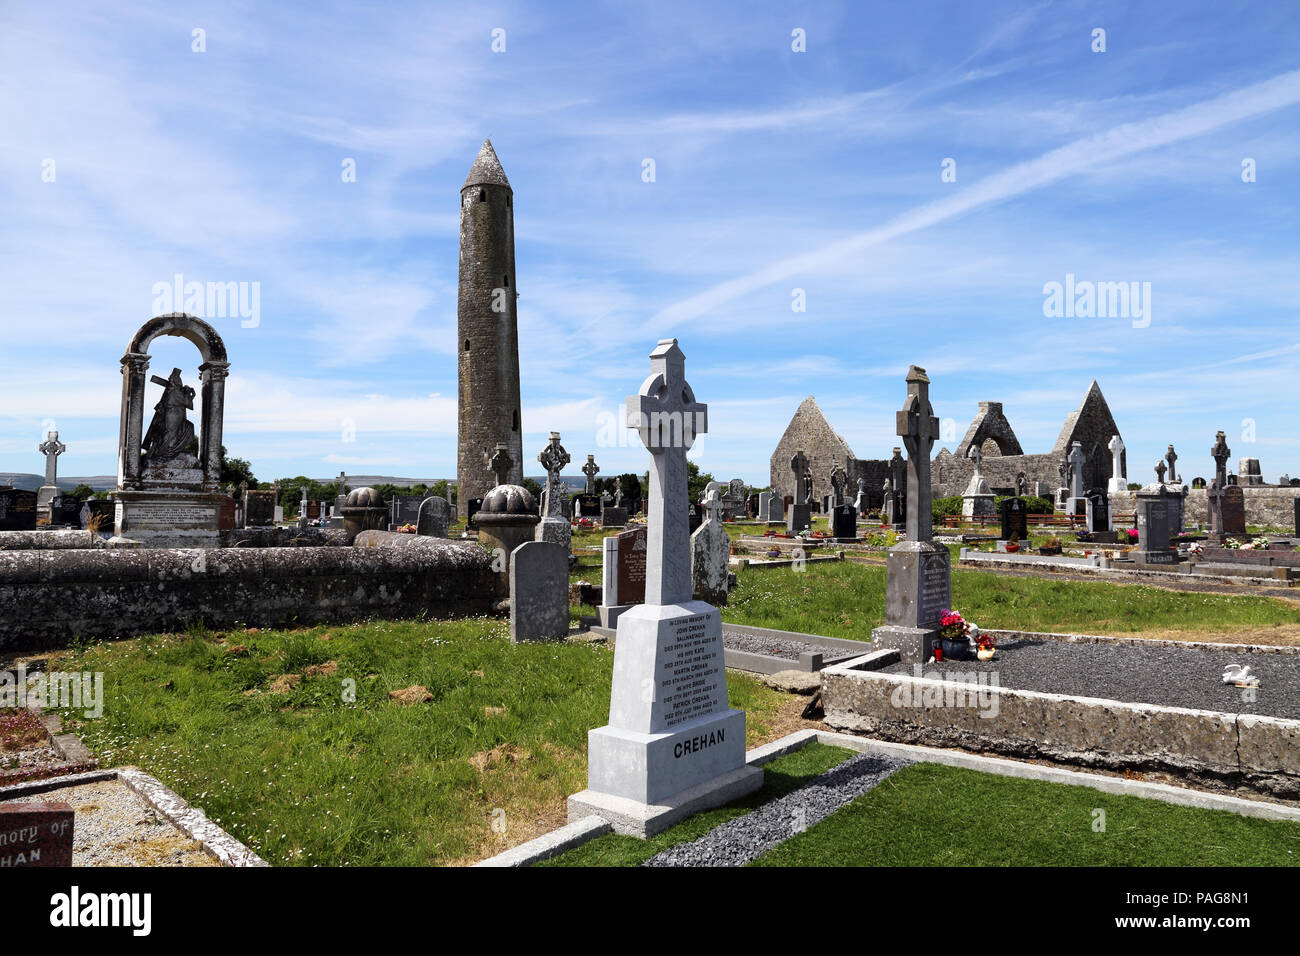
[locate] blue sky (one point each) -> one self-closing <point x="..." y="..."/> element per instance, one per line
<point x="775" y="170"/>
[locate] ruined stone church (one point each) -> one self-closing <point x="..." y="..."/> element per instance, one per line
<point x="1006" y="467"/>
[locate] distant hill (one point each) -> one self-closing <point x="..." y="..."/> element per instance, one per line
<point x="30" y="482"/>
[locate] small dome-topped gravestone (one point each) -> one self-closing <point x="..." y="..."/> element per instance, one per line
<point x="364" y="510"/>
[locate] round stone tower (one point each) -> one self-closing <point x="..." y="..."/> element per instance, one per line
<point x="488" y="331"/>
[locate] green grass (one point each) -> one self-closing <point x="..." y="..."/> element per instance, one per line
<point x="306" y="777"/>
<point x="847" y="599"/>
<point x="930" y="815"/>
<point x="781" y="776"/>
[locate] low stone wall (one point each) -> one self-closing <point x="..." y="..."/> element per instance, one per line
<point x="68" y="540"/>
<point x="48" y="597"/>
<point x="1267" y="506"/>
<point x="1236" y="751"/>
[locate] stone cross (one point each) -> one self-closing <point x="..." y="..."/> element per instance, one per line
<point x="1221" y="453"/>
<point x="591" y="469"/>
<point x="667" y="418"/>
<point x="501" y="463"/>
<point x="618" y="492"/>
<point x="553" y="458"/>
<point x="839" y="477"/>
<point x="976" y="455"/>
<point x="1076" y="460"/>
<point x="918" y="427"/>
<point x="799" y="465"/>
<point x="887" y="504"/>
<point x="712" y="506"/>
<point x="52" y="448"/>
<point x="1117" y="479"/>
<point x="1171" y="456"/>
<point x="1160" y="471"/>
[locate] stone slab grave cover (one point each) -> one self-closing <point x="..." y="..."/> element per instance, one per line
<point x="1015" y="519"/>
<point x="672" y="745"/>
<point x="539" y="592"/>
<point x="623" y="568"/>
<point x="710" y="547"/>
<point x="434" y="517"/>
<point x="36" y="834"/>
<point x="917" y="573"/>
<point x="17" y="510"/>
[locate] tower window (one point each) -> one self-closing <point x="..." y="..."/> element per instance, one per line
<point x="516" y="422"/>
<point x="467" y="345"/>
<point x="507" y="201"/>
<point x="505" y="281"/>
<point x="482" y="195"/>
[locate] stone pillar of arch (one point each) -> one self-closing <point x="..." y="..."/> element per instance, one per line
<point x="213" y="376"/>
<point x="135" y="375"/>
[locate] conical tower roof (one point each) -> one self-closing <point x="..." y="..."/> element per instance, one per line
<point x="486" y="170"/>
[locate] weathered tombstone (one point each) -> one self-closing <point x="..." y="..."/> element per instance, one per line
<point x="313" y="511"/>
<point x="611" y="515"/>
<point x="1077" y="503"/>
<point x="917" y="575"/>
<point x="751" y="505"/>
<point x="259" y="508"/>
<point x="434" y="517"/>
<point x="555" y="525"/>
<point x="539" y="592"/>
<point x="1154" y="527"/>
<point x="65" y="512"/>
<point x="227" y="513"/>
<point x="673" y="746"/>
<point x="1220" y="453"/>
<point x="51" y="448"/>
<point x="977" y="501"/>
<point x="404" y="510"/>
<point x="1015" y="519"/>
<point x="1171" y="457"/>
<point x="17" y="510"/>
<point x="862" y="503"/>
<point x="710" y="547"/>
<point x="591" y="470"/>
<point x="1234" y="510"/>
<point x="887" y="513"/>
<point x="1250" y="472"/>
<point x="36" y="834"/>
<point x="169" y="474"/>
<point x="1099" y="510"/>
<point x="622" y="574"/>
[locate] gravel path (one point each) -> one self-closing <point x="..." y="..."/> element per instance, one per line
<point x="1189" y="582"/>
<point x="1171" y="676"/>
<point x="114" y="826"/>
<point x="746" y="838"/>
<point x="784" y="648"/>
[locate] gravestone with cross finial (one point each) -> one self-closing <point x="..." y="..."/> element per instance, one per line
<point x="838" y="478"/>
<point x="554" y="526"/>
<point x="673" y="745"/>
<point x="1161" y="467"/>
<point x="591" y="470"/>
<point x="861" y="502"/>
<point x="1078" y="503"/>
<point x="500" y="463"/>
<point x="799" y="516"/>
<point x="1220" y="453"/>
<point x="918" y="585"/>
<point x="51" y="448"/>
<point x="977" y="501"/>
<point x="710" y="547"/>
<point x="1171" y="456"/>
<point x="1118" y="480"/>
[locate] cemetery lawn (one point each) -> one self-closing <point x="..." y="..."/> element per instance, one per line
<point x="931" y="815"/>
<point x="252" y="726"/>
<point x="847" y="599"/>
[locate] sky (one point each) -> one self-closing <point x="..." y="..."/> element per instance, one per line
<point x="809" y="197"/>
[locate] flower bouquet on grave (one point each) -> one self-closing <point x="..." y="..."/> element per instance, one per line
<point x="1013" y="543"/>
<point x="1132" y="535"/>
<point x="953" y="631"/>
<point x="407" y="528"/>
<point x="1232" y="544"/>
<point x="984" y="643"/>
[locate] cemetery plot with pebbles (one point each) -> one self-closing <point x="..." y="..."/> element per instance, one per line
<point x="1168" y="676"/>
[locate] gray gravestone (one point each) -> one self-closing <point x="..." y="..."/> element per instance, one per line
<point x="1015" y="519"/>
<point x="1154" y="523"/>
<point x="539" y="592"/>
<point x="434" y="517"/>
<point x="555" y="525"/>
<point x="710" y="548"/>
<point x="673" y="745"/>
<point x="917" y="577"/>
<point x="1234" y="510"/>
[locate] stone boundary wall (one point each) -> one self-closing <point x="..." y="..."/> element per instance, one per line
<point x="1266" y="505"/>
<point x="68" y="540"/>
<point x="49" y="597"/>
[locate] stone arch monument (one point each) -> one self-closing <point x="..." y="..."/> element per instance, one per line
<point x="168" y="475"/>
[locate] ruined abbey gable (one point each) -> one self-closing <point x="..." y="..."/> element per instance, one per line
<point x="1005" y="464"/>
